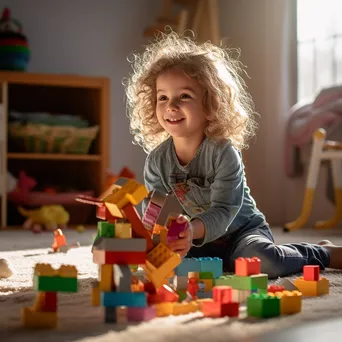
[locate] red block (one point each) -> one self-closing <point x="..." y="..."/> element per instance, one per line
<point x="138" y="228"/>
<point x="222" y="294"/>
<point x="275" y="288"/>
<point x="216" y="309"/>
<point x="230" y="309"/>
<point x="102" y="257"/>
<point x="50" y="302"/>
<point x="167" y="294"/>
<point x="247" y="266"/>
<point x="311" y="272"/>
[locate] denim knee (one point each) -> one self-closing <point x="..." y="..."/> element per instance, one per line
<point x="270" y="263"/>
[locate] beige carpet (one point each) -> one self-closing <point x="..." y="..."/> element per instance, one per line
<point x="79" y="321"/>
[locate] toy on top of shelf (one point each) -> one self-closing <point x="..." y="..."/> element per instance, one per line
<point x="14" y="50"/>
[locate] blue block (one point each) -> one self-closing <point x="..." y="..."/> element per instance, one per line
<point x="202" y="295"/>
<point x="213" y="265"/>
<point x="130" y="299"/>
<point x="188" y="265"/>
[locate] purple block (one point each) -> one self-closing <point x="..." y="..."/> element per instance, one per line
<point x="141" y="314"/>
<point x="174" y="229"/>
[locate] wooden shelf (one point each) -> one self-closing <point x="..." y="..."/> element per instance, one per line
<point x="56" y="156"/>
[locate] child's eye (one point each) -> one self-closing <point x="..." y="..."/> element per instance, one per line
<point x="185" y="96"/>
<point x="162" y="98"/>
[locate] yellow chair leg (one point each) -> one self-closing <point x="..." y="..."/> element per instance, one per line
<point x="332" y="223"/>
<point x="305" y="213"/>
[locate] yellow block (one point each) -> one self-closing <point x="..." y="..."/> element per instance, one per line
<point x="95" y="296"/>
<point x="123" y="230"/>
<point x="164" y="309"/>
<point x="106" y="277"/>
<point x="185" y="308"/>
<point x="312" y="288"/>
<point x="208" y="284"/>
<point x="290" y="302"/>
<point x="38" y="320"/>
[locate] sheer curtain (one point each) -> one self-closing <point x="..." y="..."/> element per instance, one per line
<point x="265" y="31"/>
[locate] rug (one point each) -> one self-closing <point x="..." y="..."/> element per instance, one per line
<point x="79" y="321"/>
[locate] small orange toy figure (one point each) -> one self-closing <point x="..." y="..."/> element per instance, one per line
<point x="59" y="240"/>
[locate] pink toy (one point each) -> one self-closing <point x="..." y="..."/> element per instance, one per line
<point x="175" y="229"/>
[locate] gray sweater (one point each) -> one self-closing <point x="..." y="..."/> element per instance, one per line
<point x="212" y="187"/>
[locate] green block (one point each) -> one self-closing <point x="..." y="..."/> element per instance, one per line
<point x="54" y="284"/>
<point x="252" y="282"/>
<point x="263" y="306"/>
<point x="206" y="275"/>
<point x="105" y="229"/>
<point x="182" y="295"/>
<point x="226" y="280"/>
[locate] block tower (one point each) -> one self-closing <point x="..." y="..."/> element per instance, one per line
<point x="122" y="243"/>
<point x="48" y="282"/>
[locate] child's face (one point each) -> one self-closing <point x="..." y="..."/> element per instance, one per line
<point x="179" y="105"/>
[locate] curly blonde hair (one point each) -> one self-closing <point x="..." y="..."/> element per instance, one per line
<point x="226" y="101"/>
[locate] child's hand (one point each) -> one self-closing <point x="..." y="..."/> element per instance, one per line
<point x="183" y="244"/>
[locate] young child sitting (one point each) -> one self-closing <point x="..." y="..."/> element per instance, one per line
<point x="190" y="111"/>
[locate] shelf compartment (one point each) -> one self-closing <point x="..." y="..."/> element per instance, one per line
<point x="55" y="156"/>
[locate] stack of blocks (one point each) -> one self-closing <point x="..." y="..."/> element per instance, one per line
<point x="47" y="282"/>
<point x="172" y="286"/>
<point x="310" y="284"/>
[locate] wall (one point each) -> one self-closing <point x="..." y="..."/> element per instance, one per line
<point x="92" y="38"/>
<point x="264" y="30"/>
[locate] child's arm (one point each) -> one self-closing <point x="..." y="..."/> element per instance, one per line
<point x="227" y="194"/>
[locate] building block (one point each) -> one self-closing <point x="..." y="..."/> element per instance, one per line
<point x="240" y="296"/>
<point x="120" y="245"/>
<point x="54" y="284"/>
<point x="59" y="239"/>
<point x="204" y="294"/>
<point x="106" y="282"/>
<point x="205" y="275"/>
<point x="217" y="309"/>
<point x="290" y="302"/>
<point x="166" y="294"/>
<point x="180" y="282"/>
<point x="311" y="272"/>
<point x="95" y="294"/>
<point x="188" y="265"/>
<point x="157" y="197"/>
<point x="38" y="320"/>
<point x="275" y="288"/>
<point x="50" y="302"/>
<point x="101" y="257"/>
<point x="286" y="283"/>
<point x="105" y="229"/>
<point x="222" y="294"/>
<point x="122" y="278"/>
<point x="123" y="229"/>
<point x="174" y="229"/>
<point x="252" y="282"/>
<point x="110" y="314"/>
<point x="141" y="314"/>
<point x="122" y="314"/>
<point x="312" y="288"/>
<point x="213" y="265"/>
<point x="247" y="266"/>
<point x="208" y="284"/>
<point x="263" y="305"/>
<point x="192" y="287"/>
<point x="184" y="308"/>
<point x="150" y="216"/>
<point x="130" y="299"/>
<point x="171" y="208"/>
<point x="163" y="309"/>
<point x="224" y="280"/>
<point x="137" y="226"/>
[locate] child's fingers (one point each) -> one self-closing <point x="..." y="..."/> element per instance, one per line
<point x="182" y="219"/>
<point x="184" y="233"/>
<point x="179" y="244"/>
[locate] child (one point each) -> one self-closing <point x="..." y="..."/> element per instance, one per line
<point x="189" y="110"/>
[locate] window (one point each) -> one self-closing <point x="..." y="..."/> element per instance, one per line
<point x="319" y="46"/>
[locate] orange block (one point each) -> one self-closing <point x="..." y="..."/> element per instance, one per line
<point x="247" y="266"/>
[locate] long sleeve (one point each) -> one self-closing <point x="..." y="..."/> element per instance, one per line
<point x="152" y="179"/>
<point x="226" y="198"/>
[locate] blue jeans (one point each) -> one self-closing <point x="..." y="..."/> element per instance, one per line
<point x="276" y="260"/>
